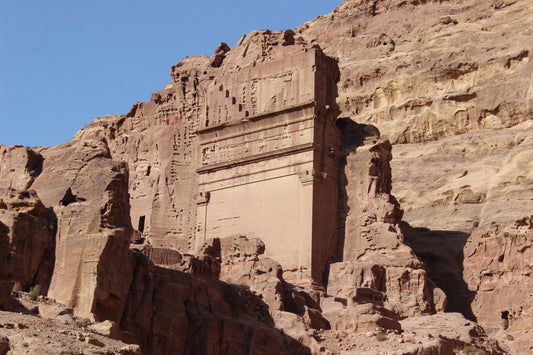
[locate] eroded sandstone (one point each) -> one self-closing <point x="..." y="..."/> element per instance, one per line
<point x="458" y="120"/>
<point x="497" y="268"/>
<point x="88" y="192"/>
<point x="421" y="71"/>
<point x="27" y="249"/>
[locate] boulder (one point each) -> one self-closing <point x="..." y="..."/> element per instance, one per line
<point x="53" y="310"/>
<point x="108" y="328"/>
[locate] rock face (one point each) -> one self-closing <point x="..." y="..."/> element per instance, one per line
<point x="421" y="71"/>
<point x="254" y="124"/>
<point x="424" y="71"/>
<point x="20" y="166"/>
<point x="5" y="285"/>
<point x="88" y="192"/>
<point x="96" y="274"/>
<point x="268" y="167"/>
<point x="244" y="143"/>
<point x="169" y="311"/>
<point x="497" y="267"/>
<point x="467" y="180"/>
<point x="455" y="335"/>
<point x="379" y="279"/>
<point x="28" y="243"/>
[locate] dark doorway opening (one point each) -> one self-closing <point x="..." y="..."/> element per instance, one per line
<point x="505" y="319"/>
<point x="141" y="224"/>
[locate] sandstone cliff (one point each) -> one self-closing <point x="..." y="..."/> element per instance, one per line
<point x="423" y="71"/>
<point x="449" y="87"/>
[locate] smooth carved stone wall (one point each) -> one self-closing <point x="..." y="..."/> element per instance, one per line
<point x="269" y="159"/>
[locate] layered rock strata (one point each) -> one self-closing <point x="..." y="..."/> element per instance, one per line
<point x="415" y="70"/>
<point x="172" y="312"/>
<point x="424" y="71"/>
<point x="467" y="180"/>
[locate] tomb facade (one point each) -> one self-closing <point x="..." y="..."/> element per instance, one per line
<point x="268" y="159"/>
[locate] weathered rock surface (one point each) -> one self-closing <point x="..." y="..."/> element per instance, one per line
<point x="158" y="141"/>
<point x="460" y="182"/>
<point x="204" y="262"/>
<point x="447" y="334"/>
<point x="422" y="71"/>
<point x="24" y="332"/>
<point x="497" y="267"/>
<point x="380" y="279"/>
<point x="294" y="309"/>
<point x="172" y="312"/>
<point x="452" y="80"/>
<point x="243" y="263"/>
<point x="88" y="192"/>
<point x="27" y="239"/>
<point x="20" y="166"/>
<point x="275" y="94"/>
<point x="442" y="253"/>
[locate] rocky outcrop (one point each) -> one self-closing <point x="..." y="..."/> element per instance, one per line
<point x="5" y="285"/>
<point x="157" y="139"/>
<point x="20" y="166"/>
<point x="27" y="249"/>
<point x="371" y="211"/>
<point x="442" y="253"/>
<point x="98" y="277"/>
<point x="172" y="312"/>
<point x="448" y="83"/>
<point x="88" y="192"/>
<point x="380" y="279"/>
<point x="446" y="334"/>
<point x="205" y="262"/>
<point x="497" y="268"/>
<point x="294" y="309"/>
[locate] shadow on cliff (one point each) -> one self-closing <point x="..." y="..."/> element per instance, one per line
<point x="442" y="252"/>
<point x="171" y="312"/>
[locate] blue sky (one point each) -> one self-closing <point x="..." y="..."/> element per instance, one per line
<point x="65" y="62"/>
